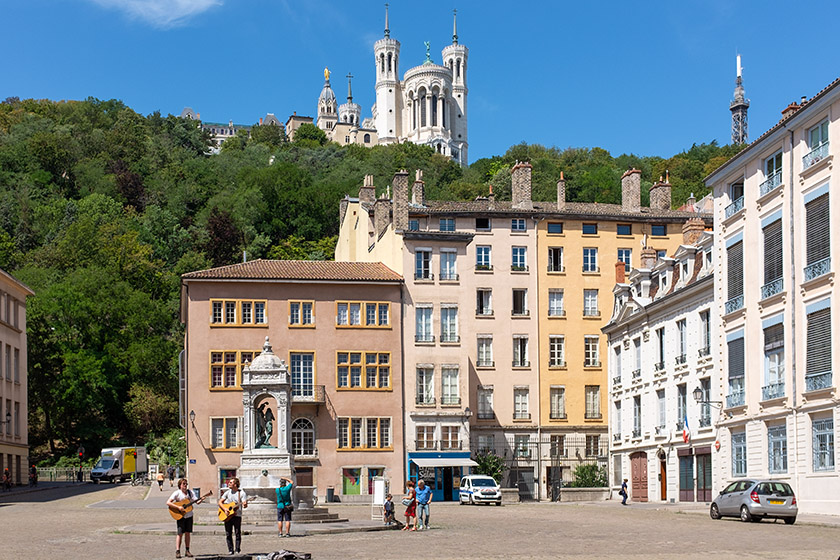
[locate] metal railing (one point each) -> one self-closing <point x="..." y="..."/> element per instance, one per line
<point x="680" y="425"/>
<point x="519" y="268"/>
<point x="772" y="288"/>
<point x="734" y="208"/>
<point x="424" y="338"/>
<point x="637" y="432"/>
<point x="815" y="155"/>
<point x="591" y="312"/>
<point x="770" y="183"/>
<point x="705" y="421"/>
<point x="424" y="401"/>
<point x="424" y="275"/>
<point x="659" y="430"/>
<point x="735" y="399"/>
<point x="555" y="268"/>
<point x="450" y="338"/>
<point x="592" y="363"/>
<point x="444" y="444"/>
<point x="705" y="351"/>
<point x="617" y="437"/>
<point x="557" y="313"/>
<point x="450" y="400"/>
<point x="557" y="415"/>
<point x="659" y="366"/>
<point x="773" y="391"/>
<point x="486" y="415"/>
<point x="303" y="454"/>
<point x="519" y="313"/>
<point x="449" y="276"/>
<point x="616" y="380"/>
<point x="520" y="363"/>
<point x="484" y="312"/>
<point x="637" y="373"/>
<point x="556" y="363"/>
<point x="485" y="363"/>
<point x="817" y="269"/>
<point x="818" y="381"/>
<point x="592" y="415"/>
<point x="521" y="415"/>
<point x="679" y="360"/>
<point x="734" y="304"/>
<point x="484" y="267"/>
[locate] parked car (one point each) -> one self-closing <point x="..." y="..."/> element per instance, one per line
<point x="753" y="500"/>
<point x="479" y="489"/>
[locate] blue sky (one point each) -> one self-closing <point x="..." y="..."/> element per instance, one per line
<point x="648" y="78"/>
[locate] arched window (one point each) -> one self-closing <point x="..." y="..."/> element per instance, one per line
<point x="443" y="111"/>
<point x="303" y="437"/>
<point x="381" y="63"/>
<point x="389" y="62"/>
<point x="434" y="109"/>
<point x="422" y="107"/>
<point x="458" y="69"/>
<point x="367" y="138"/>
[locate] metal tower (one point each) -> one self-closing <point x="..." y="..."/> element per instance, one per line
<point x="739" y="107"/>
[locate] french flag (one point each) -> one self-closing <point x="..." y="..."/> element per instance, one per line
<point x="686" y="431"/>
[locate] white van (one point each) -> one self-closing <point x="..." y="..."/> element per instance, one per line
<point x="479" y="489"/>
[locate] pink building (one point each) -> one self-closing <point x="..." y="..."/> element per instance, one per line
<point x="338" y="327"/>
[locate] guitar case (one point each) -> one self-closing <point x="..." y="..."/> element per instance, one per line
<point x="289" y="555"/>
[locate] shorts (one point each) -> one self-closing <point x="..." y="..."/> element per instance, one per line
<point x="185" y="525"/>
<point x="284" y="515"/>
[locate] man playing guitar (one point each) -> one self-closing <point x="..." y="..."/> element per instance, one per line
<point x="233" y="521"/>
<point x="185" y="523"/>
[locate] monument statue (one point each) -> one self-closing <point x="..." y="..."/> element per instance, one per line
<point x="327" y="74"/>
<point x="264" y="426"/>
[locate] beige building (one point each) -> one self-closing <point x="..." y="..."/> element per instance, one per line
<point x="777" y="219"/>
<point x="14" y="442"/>
<point x="338" y="327"/>
<point x="482" y="313"/>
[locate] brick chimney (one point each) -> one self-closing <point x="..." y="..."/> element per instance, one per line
<point x="260" y="121"/>
<point x="400" y="197"/>
<point x="418" y="189"/>
<point x="620" y="277"/>
<point x="790" y="110"/>
<point x="631" y="190"/>
<point x="693" y="230"/>
<point x="561" y="192"/>
<point x="381" y="215"/>
<point x="520" y="180"/>
<point x="648" y="257"/>
<point x="367" y="194"/>
<point x="342" y="209"/>
<point x="660" y="195"/>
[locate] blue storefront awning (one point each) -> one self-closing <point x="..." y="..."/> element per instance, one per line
<point x="443" y="462"/>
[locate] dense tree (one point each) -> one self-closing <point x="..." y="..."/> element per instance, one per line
<point x="308" y="134"/>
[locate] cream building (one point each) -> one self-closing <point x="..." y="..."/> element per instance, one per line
<point x="14" y="411"/>
<point x="776" y="215"/>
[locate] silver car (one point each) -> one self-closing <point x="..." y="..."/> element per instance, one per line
<point x="753" y="500"/>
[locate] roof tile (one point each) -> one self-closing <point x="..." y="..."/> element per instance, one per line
<point x="264" y="269"/>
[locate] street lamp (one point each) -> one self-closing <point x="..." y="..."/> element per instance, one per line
<point x="698" y="398"/>
<point x="8" y="418"/>
<point x="192" y="418"/>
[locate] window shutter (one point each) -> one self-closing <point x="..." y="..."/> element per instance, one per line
<point x="774" y="337"/>
<point x="735" y="270"/>
<point x="818" y="229"/>
<point x="818" y="359"/>
<point x="773" y="264"/>
<point x="736" y="358"/>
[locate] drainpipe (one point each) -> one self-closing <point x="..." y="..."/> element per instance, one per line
<point x="538" y="478"/>
<point x="792" y="290"/>
<point x="402" y="379"/>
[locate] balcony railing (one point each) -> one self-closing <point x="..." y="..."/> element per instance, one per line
<point x="426" y="445"/>
<point x="556" y="363"/>
<point x="521" y="415"/>
<point x="818" y="381"/>
<point x="556" y="312"/>
<point x="449" y="276"/>
<point x="520" y="313"/>
<point x="484" y="267"/>
<point x="304" y="454"/>
<point x="659" y="366"/>
<point x="315" y="395"/>
<point x="522" y="453"/>
<point x="705" y="421"/>
<point x="591" y="312"/>
<point x="555" y="268"/>
<point x="659" y="430"/>
<point x="450" y="338"/>
<point x="817" y="269"/>
<point x="424" y="338"/>
<point x="589" y="268"/>
<point x="425" y="401"/>
<point x="773" y="391"/>
<point x="815" y="155"/>
<point x="519" y="267"/>
<point x="557" y="415"/>
<point x="450" y="400"/>
<point x="637" y="432"/>
<point x="703" y="352"/>
<point x="444" y="444"/>
<point x="637" y="373"/>
<point x="680" y="425"/>
<point x="771" y="183"/>
<point x="591" y="363"/>
<point x="734" y="304"/>
<point x="617" y="437"/>
<point x="735" y="398"/>
<point x="617" y="380"/>
<point x="679" y="360"/>
<point x="486" y="415"/>
<point x="485" y="363"/>
<point x="486" y="312"/>
<point x="734" y="208"/>
<point x="588" y="415"/>
<point x="520" y="363"/>
<point x="772" y="288"/>
<point x="424" y="275"/>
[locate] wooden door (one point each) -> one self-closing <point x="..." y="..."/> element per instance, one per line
<point x="663" y="481"/>
<point x="704" y="478"/>
<point x="638" y="472"/>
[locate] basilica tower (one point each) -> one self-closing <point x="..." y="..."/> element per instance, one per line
<point x="327" y="106"/>
<point x="455" y="58"/>
<point x="387" y="109"/>
<point x="739" y="107"/>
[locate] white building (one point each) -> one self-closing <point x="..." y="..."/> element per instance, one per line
<point x="660" y="338"/>
<point x="775" y="212"/>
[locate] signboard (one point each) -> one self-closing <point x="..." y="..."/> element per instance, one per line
<point x="192" y="461"/>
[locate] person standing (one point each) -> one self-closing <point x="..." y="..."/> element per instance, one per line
<point x="424" y="498"/>
<point x="623" y="492"/>
<point x="410" y="502"/>
<point x="185" y="524"/>
<point x="284" y="507"/>
<point x="160" y="479"/>
<point x="170" y="472"/>
<point x="234" y="522"/>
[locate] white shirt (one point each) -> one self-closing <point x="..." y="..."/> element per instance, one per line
<point x="177" y="496"/>
<point x="237" y="497"/>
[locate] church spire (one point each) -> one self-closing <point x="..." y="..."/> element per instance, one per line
<point x="349" y="88"/>
<point x="738" y="107"/>
<point x="387" y="26"/>
<point x="454" y="27"/>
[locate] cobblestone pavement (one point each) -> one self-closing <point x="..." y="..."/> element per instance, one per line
<point x="89" y="521"/>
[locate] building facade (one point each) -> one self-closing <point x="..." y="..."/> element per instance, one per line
<point x="776" y="212"/>
<point x="505" y="293"/>
<point x="14" y="410"/>
<point x="338" y="327"/>
<point x="660" y="341"/>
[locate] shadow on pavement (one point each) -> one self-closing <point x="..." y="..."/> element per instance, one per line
<point x="51" y="491"/>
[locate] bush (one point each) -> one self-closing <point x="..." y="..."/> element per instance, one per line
<point x="490" y="464"/>
<point x="590" y="476"/>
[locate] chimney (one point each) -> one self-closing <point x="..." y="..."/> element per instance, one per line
<point x="561" y="192"/>
<point x="400" y="186"/>
<point x="418" y="190"/>
<point x="260" y="121"/>
<point x="342" y="209"/>
<point x="198" y="116"/>
<point x="660" y="195"/>
<point x="790" y="110"/>
<point x="620" y="277"/>
<point x="631" y="190"/>
<point x="381" y="215"/>
<point x="693" y="230"/>
<point x="648" y="257"/>
<point x="520" y="179"/>
<point x="690" y="203"/>
<point x="367" y="194"/>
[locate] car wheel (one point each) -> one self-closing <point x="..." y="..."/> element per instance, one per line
<point x="460" y="500"/>
<point x="746" y="516"/>
<point x="714" y="512"/>
<point x="790" y="520"/>
<point x="499" y="503"/>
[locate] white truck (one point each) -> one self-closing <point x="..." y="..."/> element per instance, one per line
<point x="119" y="464"/>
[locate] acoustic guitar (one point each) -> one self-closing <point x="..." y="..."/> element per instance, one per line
<point x="187" y="504"/>
<point x="227" y="510"/>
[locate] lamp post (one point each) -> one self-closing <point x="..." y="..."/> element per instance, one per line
<point x="698" y="398"/>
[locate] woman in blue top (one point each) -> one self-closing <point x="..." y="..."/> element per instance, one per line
<point x="284" y="506"/>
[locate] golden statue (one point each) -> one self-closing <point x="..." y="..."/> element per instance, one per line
<point x="327" y="74"/>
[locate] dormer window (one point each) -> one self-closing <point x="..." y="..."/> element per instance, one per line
<point x="684" y="271"/>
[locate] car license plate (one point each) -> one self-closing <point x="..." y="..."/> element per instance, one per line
<point x="776" y="502"/>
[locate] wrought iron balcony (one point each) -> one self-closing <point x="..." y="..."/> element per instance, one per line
<point x="486" y="415"/>
<point x="773" y="391"/>
<point x="772" y="288"/>
<point x="818" y="381"/>
<point x="486" y="312"/>
<point x="424" y="275"/>
<point x="521" y="415"/>
<point x="770" y="183"/>
<point x="444" y="444"/>
<point x="617" y="437"/>
<point x="705" y="351"/>
<point x="705" y="421"/>
<point x="734" y="208"/>
<point x="659" y="366"/>
<point x="591" y="363"/>
<point x="519" y="267"/>
<point x="424" y="338"/>
<point x="591" y="312"/>
<point x="588" y="415"/>
<point x="485" y="363"/>
<point x="734" y="304"/>
<point x="426" y="445"/>
<point x="591" y="268"/>
<point x="449" y="276"/>
<point x="637" y="373"/>
<point x="680" y="360"/>
<point x="617" y="380"/>
<point x="520" y="363"/>
<point x="557" y="415"/>
<point x="817" y="269"/>
<point x="659" y="430"/>
<point x="450" y="400"/>
<point x="314" y="395"/>
<point x="484" y="267"/>
<point x="520" y="313"/>
<point x="425" y="401"/>
<point x="556" y="312"/>
<point x="816" y="155"/>
<point x="637" y="432"/>
<point x="556" y="363"/>
<point x="555" y="268"/>
<point x="680" y="425"/>
<point x="735" y="398"/>
<point x="450" y="338"/>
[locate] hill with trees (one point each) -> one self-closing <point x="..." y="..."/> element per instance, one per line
<point x="102" y="209"/>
